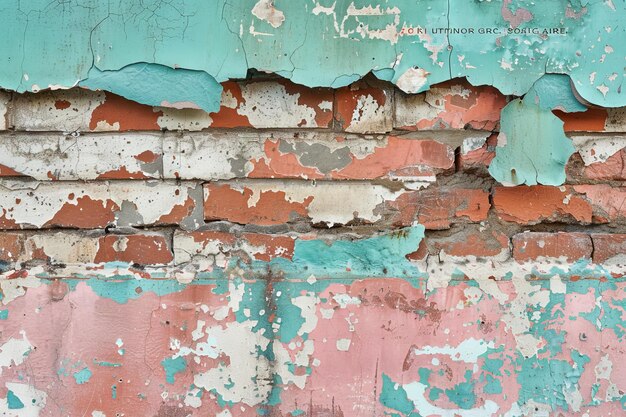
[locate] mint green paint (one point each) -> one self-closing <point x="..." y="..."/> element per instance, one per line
<point x="546" y="380"/>
<point x="434" y="393"/>
<point x="82" y="376"/>
<point x="606" y="316"/>
<point x="224" y="39"/>
<point x="395" y="397"/>
<point x="536" y="148"/>
<point x="462" y="394"/>
<point x="380" y="256"/>
<point x="554" y="92"/>
<point x="493" y="366"/>
<point x="493" y="385"/>
<point x="173" y="366"/>
<point x="121" y="289"/>
<point x="107" y="364"/>
<point x="13" y="401"/>
<point x="158" y="85"/>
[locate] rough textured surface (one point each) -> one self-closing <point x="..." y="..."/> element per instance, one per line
<point x="414" y="44"/>
<point x="307" y="252"/>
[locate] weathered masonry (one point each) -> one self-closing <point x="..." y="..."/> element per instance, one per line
<point x="313" y="208"/>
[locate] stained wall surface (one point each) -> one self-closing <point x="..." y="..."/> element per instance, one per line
<point x="321" y="242"/>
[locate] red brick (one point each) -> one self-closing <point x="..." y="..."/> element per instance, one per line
<point x="124" y="114"/>
<point x="530" y="246"/>
<point x="143" y="249"/>
<point x="613" y="169"/>
<point x="607" y="246"/>
<point x="273" y="104"/>
<point x="223" y="202"/>
<point x="477" y="161"/>
<point x="362" y="108"/>
<point x="11" y="246"/>
<point x="451" y="105"/>
<point x="95" y="205"/>
<point x="609" y="203"/>
<point x="439" y="208"/>
<point x="592" y="120"/>
<point x="256" y="246"/>
<point x="478" y="243"/>
<point x="394" y="158"/>
<point x="535" y="204"/>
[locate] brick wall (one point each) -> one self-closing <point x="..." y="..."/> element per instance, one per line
<point x="139" y="225"/>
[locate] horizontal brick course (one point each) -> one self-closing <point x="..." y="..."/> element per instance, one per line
<point x="533" y="246"/>
<point x="89" y="247"/>
<point x="437" y="208"/>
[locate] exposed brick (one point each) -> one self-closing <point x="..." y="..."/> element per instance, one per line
<point x="143" y="249"/>
<point x="439" y="208"/>
<point x="56" y="110"/>
<point x="11" y="246"/>
<point x="120" y="114"/>
<point x="451" y="105"/>
<point x="531" y="205"/>
<point x="219" y="246"/>
<point x="305" y="155"/>
<point x="607" y="246"/>
<point x="592" y="120"/>
<point x="361" y="108"/>
<point x="28" y="205"/>
<point x="72" y="247"/>
<point x="476" y="242"/>
<point x="276" y="202"/>
<point x="260" y="104"/>
<point x="273" y="104"/>
<point x="613" y="169"/>
<point x="60" y="157"/>
<point x="530" y="246"/>
<point x="477" y="153"/>
<point x="609" y="203"/>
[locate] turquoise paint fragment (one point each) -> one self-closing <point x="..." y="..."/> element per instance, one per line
<point x="546" y="380"/>
<point x="4" y="314"/>
<point x="536" y="148"/>
<point x="493" y="386"/>
<point x="158" y="85"/>
<point x="173" y="366"/>
<point x="462" y="394"/>
<point x="114" y="391"/>
<point x="13" y="401"/>
<point x="107" y="364"/>
<point x="83" y="376"/>
<point x="554" y="92"/>
<point x="374" y="257"/>
<point x="224" y="40"/>
<point x="121" y="289"/>
<point x="395" y="397"/>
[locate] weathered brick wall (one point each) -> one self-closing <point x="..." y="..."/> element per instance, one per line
<point x="327" y="252"/>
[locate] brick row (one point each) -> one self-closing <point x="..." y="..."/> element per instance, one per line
<point x="213" y="248"/>
<point x="366" y="106"/>
<point x="225" y="155"/>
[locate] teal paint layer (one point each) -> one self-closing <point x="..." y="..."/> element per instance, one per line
<point x="536" y="149"/>
<point x="173" y="366"/>
<point x="13" y="401"/>
<point x="158" y="85"/>
<point x="83" y="376"/>
<point x="323" y="43"/>
<point x="554" y="92"/>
